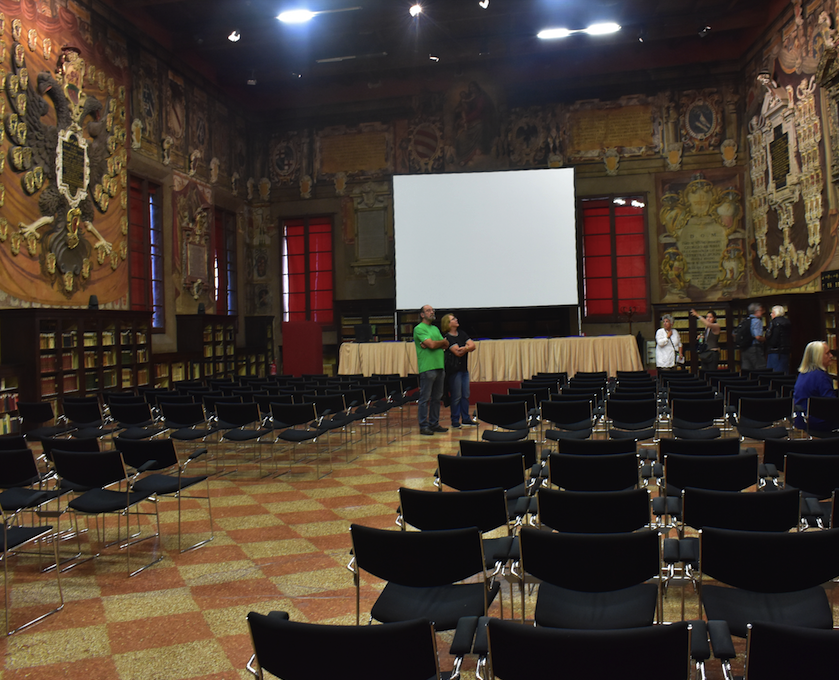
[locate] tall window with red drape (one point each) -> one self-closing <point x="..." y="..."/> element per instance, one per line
<point x="225" y="271"/>
<point x="145" y="247"/>
<point x="615" y="261"/>
<point x="307" y="277"/>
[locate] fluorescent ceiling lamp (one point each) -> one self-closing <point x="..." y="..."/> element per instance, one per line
<point x="603" y="29"/>
<point x="552" y="33"/>
<point x="296" y="16"/>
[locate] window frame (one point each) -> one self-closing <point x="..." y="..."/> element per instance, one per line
<point x="150" y="242"/>
<point x="308" y="256"/>
<point x="224" y="248"/>
<point x="618" y="315"/>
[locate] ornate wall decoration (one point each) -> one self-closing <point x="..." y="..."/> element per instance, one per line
<point x="287" y="158"/>
<point x="632" y="125"/>
<point x="425" y="145"/>
<point x="728" y="151"/>
<point x="827" y="76"/>
<point x="68" y="147"/>
<point x="527" y="137"/>
<point x="199" y="128"/>
<point x="220" y="141"/>
<point x="701" y="119"/>
<point x="701" y="237"/>
<point x="193" y="221"/>
<point x="175" y="118"/>
<point x="147" y="99"/>
<point x="473" y="128"/>
<point x="792" y="237"/>
<point x="362" y="151"/>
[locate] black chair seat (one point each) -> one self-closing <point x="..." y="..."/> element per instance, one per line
<point x="14" y="536"/>
<point x="556" y="435"/>
<point x="631" y="607"/>
<point x="48" y="432"/>
<point x="97" y="501"/>
<point x="165" y="484"/>
<point x="140" y="432"/>
<point x="19" y="498"/>
<point x="804" y="608"/>
<point x="762" y="433"/>
<point x="246" y="435"/>
<point x="504" y="436"/>
<point x="691" y="433"/>
<point x="442" y="605"/>
<point x="191" y="433"/>
<point x="632" y="434"/>
<point x="292" y="435"/>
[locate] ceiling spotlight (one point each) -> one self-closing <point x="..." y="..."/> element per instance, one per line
<point x="603" y="29"/>
<point x="252" y="79"/>
<point x="433" y="57"/>
<point x="296" y="16"/>
<point x="642" y="35"/>
<point x="705" y="30"/>
<point x="234" y="36"/>
<point x="552" y="33"/>
<point x="415" y="10"/>
<point x="483" y="4"/>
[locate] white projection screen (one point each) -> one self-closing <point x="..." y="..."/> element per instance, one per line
<point x="485" y="239"/>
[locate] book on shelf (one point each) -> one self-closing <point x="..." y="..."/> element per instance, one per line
<point x="48" y="363"/>
<point x="70" y="383"/>
<point x="69" y="361"/>
<point x="49" y="386"/>
<point x="142" y="376"/>
<point x="47" y="341"/>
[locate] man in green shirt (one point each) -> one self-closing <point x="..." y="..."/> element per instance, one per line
<point x="431" y="349"/>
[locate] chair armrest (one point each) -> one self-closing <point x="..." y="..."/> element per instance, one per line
<point x="721" y="640"/>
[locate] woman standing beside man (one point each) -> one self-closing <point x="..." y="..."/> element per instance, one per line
<point x="457" y="369"/>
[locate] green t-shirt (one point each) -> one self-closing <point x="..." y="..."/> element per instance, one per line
<point x="428" y="359"/>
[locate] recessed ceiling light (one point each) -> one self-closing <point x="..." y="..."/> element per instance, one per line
<point x="415" y="10"/>
<point x="552" y="33"/>
<point x="483" y="4"/>
<point x="433" y="57"/>
<point x="603" y="29"/>
<point x="296" y="16"/>
<point x="234" y="36"/>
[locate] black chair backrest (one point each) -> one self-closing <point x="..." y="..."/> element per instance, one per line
<point x="776" y="511"/>
<point x="286" y="649"/>
<point x="826" y="409"/>
<point x="565" y="412"/>
<point x="17" y="468"/>
<point x="468" y="473"/>
<point x="586" y="562"/>
<point x="524" y="447"/>
<point x="177" y="398"/>
<point x="333" y="403"/>
<point x="293" y="414"/>
<point x="594" y="512"/>
<point x="90" y="445"/>
<point x="238" y="414"/>
<point x="529" y="398"/>
<point x="540" y="392"/>
<point x="596" y="446"/>
<point x="769" y="410"/>
<point x="774" y="450"/>
<point x="723" y="473"/>
<point x="591" y="375"/>
<point x="131" y="413"/>
<point x="587" y="653"/>
<point x="727" y="446"/>
<point x="607" y="472"/>
<point x="799" y="560"/>
<point x="35" y="412"/>
<point x="698" y="410"/>
<point x="502" y="414"/>
<point x="434" y="511"/>
<point x="418" y="558"/>
<point x="88" y="468"/>
<point x="12" y="442"/>
<point x="777" y="652"/>
<point x="182" y="415"/>
<point x="83" y="412"/>
<point x="137" y="452"/>
<point x="633" y="411"/>
<point x="813" y="473"/>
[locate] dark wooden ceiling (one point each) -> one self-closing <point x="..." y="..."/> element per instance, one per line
<point x="379" y="43"/>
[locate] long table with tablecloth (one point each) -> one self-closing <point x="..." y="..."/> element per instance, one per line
<point x="503" y="360"/>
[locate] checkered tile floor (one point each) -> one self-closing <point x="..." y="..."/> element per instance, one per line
<point x="280" y="543"/>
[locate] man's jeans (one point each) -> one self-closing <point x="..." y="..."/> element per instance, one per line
<point x="431" y="385"/>
<point x="459" y="386"/>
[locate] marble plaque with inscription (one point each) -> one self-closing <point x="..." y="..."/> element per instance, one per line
<point x="702" y="241"/>
<point x="779" y="150"/>
<point x="594" y="129"/>
<point x="353" y="153"/>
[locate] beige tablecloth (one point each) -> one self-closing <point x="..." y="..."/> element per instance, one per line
<point x="503" y="360"/>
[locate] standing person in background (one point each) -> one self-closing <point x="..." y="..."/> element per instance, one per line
<point x="778" y="344"/>
<point x="753" y="357"/>
<point x="431" y="349"/>
<point x="668" y="344"/>
<point x="709" y="357"/>
<point x="457" y="369"/>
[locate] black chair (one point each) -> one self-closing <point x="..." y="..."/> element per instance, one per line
<point x="518" y="652"/>
<point x="523" y="447"/>
<point x="697" y="418"/>
<point x="160" y="454"/>
<point x="774" y="451"/>
<point x="293" y="424"/>
<point x="300" y="651"/>
<point x="726" y="446"/>
<point x="472" y="473"/>
<point x="779" y="652"/>
<point x="632" y="419"/>
<point x="35" y="418"/>
<point x="423" y="570"/>
<point x="768" y="577"/>
<point x="822" y="416"/>
<point x="763" y="419"/>
<point x="715" y="472"/>
<point x="17" y="537"/>
<point x="95" y="471"/>
<point x="23" y="483"/>
<point x="85" y="415"/>
<point x="135" y="419"/>
<point x="509" y="421"/>
<point x="593" y="512"/>
<point x="592" y="581"/>
<point x="568" y="419"/>
<point x="816" y="476"/>
<point x="187" y="422"/>
<point x="239" y="424"/>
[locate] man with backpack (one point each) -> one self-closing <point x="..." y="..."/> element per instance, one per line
<point x="752" y="356"/>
